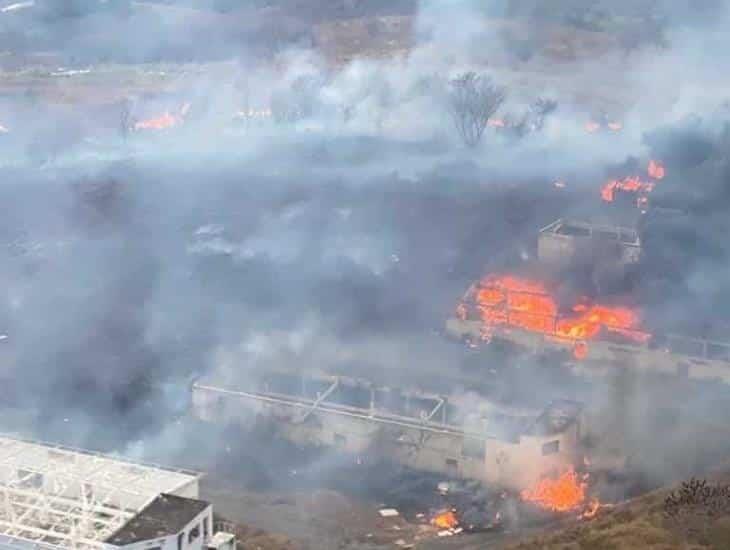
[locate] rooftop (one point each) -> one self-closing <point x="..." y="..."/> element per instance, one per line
<point x="576" y="228"/>
<point x="165" y="515"/>
<point x="59" y="496"/>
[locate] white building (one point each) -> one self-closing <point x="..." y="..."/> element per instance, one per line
<point x="57" y="497"/>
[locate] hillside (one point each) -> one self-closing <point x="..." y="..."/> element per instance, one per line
<point x="695" y="514"/>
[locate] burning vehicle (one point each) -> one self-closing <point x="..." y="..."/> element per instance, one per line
<point x="594" y="333"/>
<point x="449" y="435"/>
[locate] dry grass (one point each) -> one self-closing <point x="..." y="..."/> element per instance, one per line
<point x="341" y="41"/>
<point x="639" y="524"/>
<point x="107" y="83"/>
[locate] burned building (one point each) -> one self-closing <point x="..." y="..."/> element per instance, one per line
<point x="594" y="330"/>
<point x="454" y="435"/>
<point x="565" y="243"/>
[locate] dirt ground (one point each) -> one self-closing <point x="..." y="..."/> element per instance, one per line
<point x="313" y="520"/>
<point x="555" y="61"/>
<point x="328" y="520"/>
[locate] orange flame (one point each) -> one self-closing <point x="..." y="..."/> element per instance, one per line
<point x="528" y="305"/>
<point x="563" y="494"/>
<point x="656" y="170"/>
<point x="635" y="184"/>
<point x="615" y="126"/>
<point x="592" y="127"/>
<point x="445" y="520"/>
<point x="164" y="121"/>
<point x="496" y="123"/>
<point x="627" y="185"/>
<point x="591" y="510"/>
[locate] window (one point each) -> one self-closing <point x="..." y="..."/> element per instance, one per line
<point x="28" y="479"/>
<point x="205" y="527"/>
<point x="340" y="440"/>
<point x="452" y="466"/>
<point x="573" y="230"/>
<point x="180" y="539"/>
<point x="687" y="347"/>
<point x="155" y="548"/>
<point x="193" y="534"/>
<point x="718" y="351"/>
<point x="683" y="370"/>
<point x="604" y="234"/>
<point x="473" y="448"/>
<point x="551" y="448"/>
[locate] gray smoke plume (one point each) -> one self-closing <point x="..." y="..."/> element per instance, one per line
<point x="335" y="223"/>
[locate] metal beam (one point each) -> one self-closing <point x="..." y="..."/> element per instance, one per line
<point x="40" y="506"/>
<point x="364" y="414"/>
<point x="48" y="533"/>
<point x="320" y="399"/>
<point x="101" y="509"/>
<point x="435" y="410"/>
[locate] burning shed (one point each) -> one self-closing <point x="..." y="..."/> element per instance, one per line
<point x="529" y="309"/>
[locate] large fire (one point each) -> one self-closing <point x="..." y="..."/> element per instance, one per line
<point x="445" y="520"/>
<point x="526" y="304"/>
<point x="566" y="493"/>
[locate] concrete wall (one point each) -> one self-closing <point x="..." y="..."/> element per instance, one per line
<point x="180" y="540"/>
<point x="189" y="490"/>
<point x="603" y="357"/>
<point x="514" y="466"/>
<point x="568" y="250"/>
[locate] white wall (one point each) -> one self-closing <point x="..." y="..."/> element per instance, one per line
<point x="171" y="542"/>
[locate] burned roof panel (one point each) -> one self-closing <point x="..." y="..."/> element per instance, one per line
<point x="165" y="515"/>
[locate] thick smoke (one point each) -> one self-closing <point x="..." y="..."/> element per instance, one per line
<point x="341" y="236"/>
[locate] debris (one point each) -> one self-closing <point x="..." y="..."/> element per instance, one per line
<point x="388" y="512"/>
<point x="69" y="72"/>
<point x="445" y="533"/>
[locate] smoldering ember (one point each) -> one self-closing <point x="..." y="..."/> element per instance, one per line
<point x="357" y="274"/>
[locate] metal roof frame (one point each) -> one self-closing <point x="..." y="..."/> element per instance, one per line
<point x="64" y="497"/>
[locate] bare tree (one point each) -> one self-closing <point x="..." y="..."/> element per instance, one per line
<point x="125" y="118"/>
<point x="473" y="99"/>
